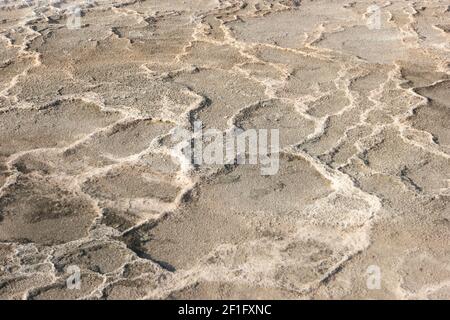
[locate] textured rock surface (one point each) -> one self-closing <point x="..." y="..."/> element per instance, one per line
<point x="88" y="176"/>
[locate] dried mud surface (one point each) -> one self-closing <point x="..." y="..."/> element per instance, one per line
<point x="88" y="176"/>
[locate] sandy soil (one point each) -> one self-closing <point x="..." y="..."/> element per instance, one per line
<point x="89" y="179"/>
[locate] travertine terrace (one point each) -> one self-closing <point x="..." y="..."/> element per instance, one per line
<point x="88" y="176"/>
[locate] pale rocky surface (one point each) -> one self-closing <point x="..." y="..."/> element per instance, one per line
<point x="88" y="176"/>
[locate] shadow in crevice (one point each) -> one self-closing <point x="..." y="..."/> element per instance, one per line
<point x="136" y="238"/>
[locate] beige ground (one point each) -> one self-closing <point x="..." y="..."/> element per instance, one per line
<point x="88" y="177"/>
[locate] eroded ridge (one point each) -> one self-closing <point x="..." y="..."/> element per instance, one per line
<point x="92" y="91"/>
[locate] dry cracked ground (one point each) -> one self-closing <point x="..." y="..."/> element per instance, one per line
<point x="89" y="179"/>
